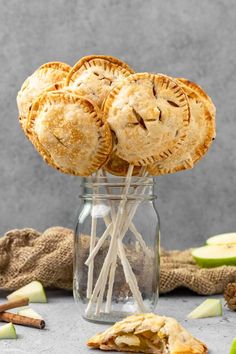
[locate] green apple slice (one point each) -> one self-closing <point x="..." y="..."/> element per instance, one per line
<point x="209" y="308"/>
<point x="28" y="312"/>
<point x="8" y="331"/>
<point x="233" y="347"/>
<point x="215" y="255"/>
<point x="34" y="291"/>
<point x="222" y="239"/>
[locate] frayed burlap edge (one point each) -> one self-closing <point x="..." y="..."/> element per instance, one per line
<point x="27" y="255"/>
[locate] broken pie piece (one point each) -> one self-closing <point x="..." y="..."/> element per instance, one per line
<point x="200" y="134"/>
<point x="45" y="76"/>
<point x="96" y="75"/>
<point x="149" y="115"/>
<point x="148" y="333"/>
<point x="69" y="133"/>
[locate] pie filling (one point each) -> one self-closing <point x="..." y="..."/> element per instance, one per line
<point x="145" y="342"/>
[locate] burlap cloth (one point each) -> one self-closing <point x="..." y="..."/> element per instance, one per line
<point x="26" y="255"/>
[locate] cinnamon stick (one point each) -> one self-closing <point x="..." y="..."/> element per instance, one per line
<point x="23" y="301"/>
<point x="21" y="320"/>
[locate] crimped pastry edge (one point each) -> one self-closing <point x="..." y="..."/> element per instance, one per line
<point x="44" y="67"/>
<point x="101" y="340"/>
<point x="112" y="61"/>
<point x="102" y="153"/>
<point x="54" y="87"/>
<point x="58" y="65"/>
<point x="133" y="77"/>
<point x="199" y="91"/>
<point x="197" y="155"/>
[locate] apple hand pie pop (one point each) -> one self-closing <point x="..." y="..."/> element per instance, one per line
<point x="68" y="131"/>
<point x="99" y="116"/>
<point x="149" y="116"/>
<point x="50" y="76"/>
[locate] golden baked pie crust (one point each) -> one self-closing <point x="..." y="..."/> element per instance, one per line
<point x="56" y="65"/>
<point x="200" y="135"/>
<point x="135" y="145"/>
<point x="150" y="334"/>
<point x="118" y="167"/>
<point x="84" y="60"/>
<point x="54" y="87"/>
<point x="95" y="75"/>
<point x="69" y="133"/>
<point x="44" y="77"/>
<point x="199" y="91"/>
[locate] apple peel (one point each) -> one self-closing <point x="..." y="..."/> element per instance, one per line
<point x="215" y="255"/>
<point x="233" y="347"/>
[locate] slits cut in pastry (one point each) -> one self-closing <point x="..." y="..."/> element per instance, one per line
<point x="96" y="75"/>
<point x="148" y="333"/>
<point x="93" y="77"/>
<point x="47" y="75"/>
<point x="201" y="132"/>
<point x="149" y="115"/>
<point x="69" y="132"/>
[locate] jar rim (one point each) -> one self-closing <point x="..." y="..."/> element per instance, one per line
<point x="117" y="181"/>
<point x="113" y="197"/>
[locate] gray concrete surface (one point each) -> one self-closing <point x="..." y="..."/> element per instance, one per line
<point x="66" y="332"/>
<point x="194" y="39"/>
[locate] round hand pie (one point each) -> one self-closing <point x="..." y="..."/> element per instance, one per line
<point x="200" y="134"/>
<point x="68" y="131"/>
<point x="149" y="115"/>
<point x="96" y="75"/>
<point x="45" y="76"/>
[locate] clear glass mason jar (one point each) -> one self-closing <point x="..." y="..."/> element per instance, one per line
<point x="116" y="251"/>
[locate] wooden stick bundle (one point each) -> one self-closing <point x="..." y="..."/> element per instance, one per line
<point x="129" y="275"/>
<point x="101" y="281"/>
<point x="117" y="227"/>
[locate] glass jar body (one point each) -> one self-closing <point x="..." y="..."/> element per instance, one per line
<point x="116" y="251"/>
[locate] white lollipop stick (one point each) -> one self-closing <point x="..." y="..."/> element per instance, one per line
<point x="128" y="271"/>
<point x="129" y="275"/>
<point x="91" y="265"/>
<point x="118" y="223"/>
<point x="112" y="251"/>
<point x="131" y="278"/>
<point x="99" y="244"/>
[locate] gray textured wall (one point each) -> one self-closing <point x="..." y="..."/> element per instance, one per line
<point x="194" y="39"/>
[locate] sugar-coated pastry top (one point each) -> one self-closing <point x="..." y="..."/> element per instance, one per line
<point x="120" y="118"/>
<point x="149" y="115"/>
<point x="69" y="132"/>
<point x="46" y="76"/>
